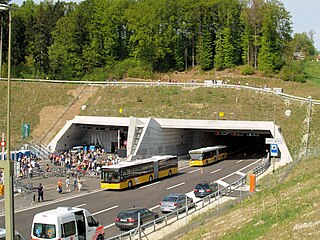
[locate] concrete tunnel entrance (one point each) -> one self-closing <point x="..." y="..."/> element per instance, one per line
<point x="138" y="138"/>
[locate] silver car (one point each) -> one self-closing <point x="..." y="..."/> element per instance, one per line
<point x="173" y="202"/>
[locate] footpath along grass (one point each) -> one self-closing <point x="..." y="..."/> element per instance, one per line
<point x="286" y="211"/>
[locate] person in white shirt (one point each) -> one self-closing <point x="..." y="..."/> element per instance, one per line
<point x="68" y="184"/>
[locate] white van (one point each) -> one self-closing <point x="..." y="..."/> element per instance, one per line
<point x="3" y="235"/>
<point x="66" y="223"/>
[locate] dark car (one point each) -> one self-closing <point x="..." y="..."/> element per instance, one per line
<point x="128" y="219"/>
<point x="204" y="189"/>
<point x="174" y="201"/>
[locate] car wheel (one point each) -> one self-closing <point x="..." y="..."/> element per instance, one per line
<point x="150" y="178"/>
<point x="169" y="173"/>
<point x="130" y="184"/>
<point x="207" y="162"/>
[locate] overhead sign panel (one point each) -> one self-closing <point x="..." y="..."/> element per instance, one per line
<point x="274" y="141"/>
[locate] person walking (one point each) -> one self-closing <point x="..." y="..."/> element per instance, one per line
<point x="59" y="189"/>
<point x="68" y="184"/>
<point x="40" y="192"/>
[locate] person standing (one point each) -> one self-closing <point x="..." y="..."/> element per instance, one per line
<point x="75" y="183"/>
<point x="68" y="184"/>
<point x="30" y="171"/>
<point x="40" y="192"/>
<point x="79" y="184"/>
<point x="59" y="189"/>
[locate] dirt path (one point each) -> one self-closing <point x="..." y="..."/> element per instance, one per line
<point x="53" y="118"/>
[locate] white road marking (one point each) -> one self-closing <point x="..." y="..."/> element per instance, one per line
<point x="109" y="226"/>
<point x="81" y="205"/>
<point x="240" y="169"/>
<point x="56" y="201"/>
<point x="241" y="173"/>
<point x="183" y="168"/>
<point x="196" y="170"/>
<point x="239" y="161"/>
<point x="222" y="183"/>
<point x="154" y="207"/>
<point x="151" y="184"/>
<point x="105" y="210"/>
<point x="216" y="170"/>
<point x="176" y="185"/>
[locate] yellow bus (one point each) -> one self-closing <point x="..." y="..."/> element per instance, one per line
<point x="128" y="174"/>
<point x="207" y="155"/>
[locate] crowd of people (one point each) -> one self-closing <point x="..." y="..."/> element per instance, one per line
<point x="85" y="162"/>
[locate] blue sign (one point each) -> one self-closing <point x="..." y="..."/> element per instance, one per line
<point x="273" y="150"/>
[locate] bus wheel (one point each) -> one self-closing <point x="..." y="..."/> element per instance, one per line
<point x="150" y="178"/>
<point x="169" y="173"/>
<point x="130" y="184"/>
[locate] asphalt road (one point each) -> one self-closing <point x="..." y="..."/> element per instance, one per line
<point x="105" y="204"/>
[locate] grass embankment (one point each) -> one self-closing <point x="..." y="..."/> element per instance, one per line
<point x="27" y="101"/>
<point x="286" y="211"/>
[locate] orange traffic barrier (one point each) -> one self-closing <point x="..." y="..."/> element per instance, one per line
<point x="252" y="182"/>
<point x="1" y="189"/>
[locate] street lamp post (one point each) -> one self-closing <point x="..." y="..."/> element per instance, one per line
<point x="8" y="164"/>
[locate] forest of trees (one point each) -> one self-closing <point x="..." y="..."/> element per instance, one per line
<point x="99" y="39"/>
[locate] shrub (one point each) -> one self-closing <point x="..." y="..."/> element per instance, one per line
<point x="247" y="70"/>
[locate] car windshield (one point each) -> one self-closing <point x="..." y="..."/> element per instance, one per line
<point x="170" y="199"/>
<point x="44" y="231"/>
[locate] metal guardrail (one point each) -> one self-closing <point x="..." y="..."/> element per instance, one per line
<point x="168" y="219"/>
<point x="157" y="83"/>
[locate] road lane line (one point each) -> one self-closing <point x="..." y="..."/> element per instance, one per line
<point x="240" y="169"/>
<point x="55" y="201"/>
<point x="239" y="161"/>
<point x="109" y="226"/>
<point x="151" y="184"/>
<point x="216" y="170"/>
<point x="196" y="170"/>
<point x="105" y="210"/>
<point x="176" y="185"/>
<point x="81" y="205"/>
<point x="183" y="168"/>
<point x="154" y="207"/>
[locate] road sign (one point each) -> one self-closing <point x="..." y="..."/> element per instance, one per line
<point x="273" y="150"/>
<point x="3" y="143"/>
<point x="274" y="141"/>
<point x="25" y="130"/>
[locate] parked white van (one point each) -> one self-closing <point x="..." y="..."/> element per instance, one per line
<point x="3" y="235"/>
<point x="66" y="223"/>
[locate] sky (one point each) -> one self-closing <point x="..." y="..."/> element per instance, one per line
<point x="305" y="16"/>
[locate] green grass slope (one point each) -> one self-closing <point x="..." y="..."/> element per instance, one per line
<point x="278" y="211"/>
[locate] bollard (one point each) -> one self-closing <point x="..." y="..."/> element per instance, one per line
<point x="252" y="177"/>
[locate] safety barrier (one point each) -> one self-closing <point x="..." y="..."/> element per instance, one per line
<point x="170" y="218"/>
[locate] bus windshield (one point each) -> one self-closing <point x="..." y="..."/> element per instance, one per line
<point x="110" y="175"/>
<point x="196" y="156"/>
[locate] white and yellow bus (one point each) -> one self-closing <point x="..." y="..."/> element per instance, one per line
<point x="128" y="174"/>
<point x="207" y="155"/>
